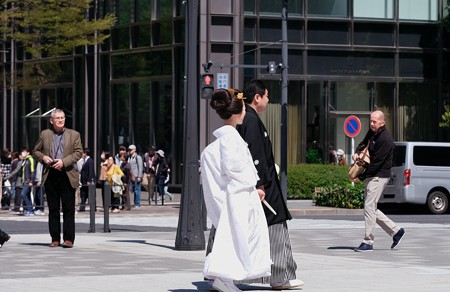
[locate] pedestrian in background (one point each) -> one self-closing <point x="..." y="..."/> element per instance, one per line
<point x="28" y="180"/>
<point x="59" y="149"/>
<point x="255" y="134"/>
<point x="137" y="171"/>
<point x="125" y="167"/>
<point x="381" y="149"/>
<point x="161" y="169"/>
<point x="87" y="177"/>
<point x="39" y="191"/>
<point x="15" y="180"/>
<point x="341" y="157"/>
<point x="149" y="170"/>
<point x="241" y="247"/>
<point x="112" y="172"/>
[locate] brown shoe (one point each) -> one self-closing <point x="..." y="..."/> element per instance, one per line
<point x="54" y="244"/>
<point x="67" y="244"/>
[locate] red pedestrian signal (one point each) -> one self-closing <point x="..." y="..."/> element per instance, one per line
<point x="207" y="85"/>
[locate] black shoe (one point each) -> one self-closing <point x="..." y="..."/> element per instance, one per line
<point x="364" y="247"/>
<point x="397" y="238"/>
<point x="4" y="237"/>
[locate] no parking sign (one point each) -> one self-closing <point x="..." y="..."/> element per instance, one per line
<point x="352" y="126"/>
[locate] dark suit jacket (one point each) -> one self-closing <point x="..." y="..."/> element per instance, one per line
<point x="255" y="134"/>
<point x="72" y="153"/>
<point x="87" y="172"/>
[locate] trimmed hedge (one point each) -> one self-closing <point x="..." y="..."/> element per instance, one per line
<point x="336" y="188"/>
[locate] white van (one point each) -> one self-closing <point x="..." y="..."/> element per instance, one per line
<point x="420" y="174"/>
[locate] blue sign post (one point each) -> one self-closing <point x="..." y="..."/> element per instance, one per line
<point x="352" y="126"/>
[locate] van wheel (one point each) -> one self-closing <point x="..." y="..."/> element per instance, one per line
<point x="437" y="202"/>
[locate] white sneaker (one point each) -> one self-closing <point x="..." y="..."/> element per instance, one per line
<point x="39" y="213"/>
<point x="287" y="285"/>
<point x="225" y="285"/>
<point x="115" y="210"/>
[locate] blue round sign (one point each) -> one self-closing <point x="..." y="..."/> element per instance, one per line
<point x="352" y="126"/>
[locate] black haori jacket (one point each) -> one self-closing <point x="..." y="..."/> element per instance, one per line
<point x="255" y="134"/>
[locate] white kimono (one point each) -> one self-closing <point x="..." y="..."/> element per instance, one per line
<point x="241" y="247"/>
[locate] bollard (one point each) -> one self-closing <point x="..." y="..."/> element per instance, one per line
<point x="92" y="207"/>
<point x="106" y="203"/>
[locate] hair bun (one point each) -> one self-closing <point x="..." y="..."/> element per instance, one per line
<point x="220" y="100"/>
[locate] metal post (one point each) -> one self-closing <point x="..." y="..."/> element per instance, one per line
<point x="92" y="207"/>
<point x="190" y="235"/>
<point x="284" y="99"/>
<point x="106" y="203"/>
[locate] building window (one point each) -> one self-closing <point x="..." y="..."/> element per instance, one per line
<point x="162" y="32"/>
<point x="418" y="35"/>
<point x="374" y="34"/>
<point x="271" y="7"/>
<point x="141" y="35"/>
<point x="328" y="33"/>
<point x="426" y="10"/>
<point x="249" y="7"/>
<point x="373" y="9"/>
<point x="143" y="10"/>
<point x="270" y="31"/>
<point x="328" y="8"/>
<point x="164" y="9"/>
<point x="417" y="112"/>
<point x="123" y="12"/>
<point x="120" y="38"/>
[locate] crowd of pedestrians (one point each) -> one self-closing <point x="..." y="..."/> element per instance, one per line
<point x="23" y="191"/>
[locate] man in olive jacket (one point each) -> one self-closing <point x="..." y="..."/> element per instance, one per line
<point x="59" y="149"/>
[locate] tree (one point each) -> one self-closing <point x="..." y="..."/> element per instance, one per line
<point x="48" y="29"/>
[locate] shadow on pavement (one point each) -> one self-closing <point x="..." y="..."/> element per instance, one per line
<point x="341" y="247"/>
<point x="403" y="209"/>
<point x="143" y="242"/>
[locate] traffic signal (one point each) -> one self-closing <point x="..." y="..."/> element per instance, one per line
<point x="272" y="68"/>
<point x="207" y="85"/>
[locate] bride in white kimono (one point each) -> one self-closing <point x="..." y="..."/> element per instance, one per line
<point x="241" y="246"/>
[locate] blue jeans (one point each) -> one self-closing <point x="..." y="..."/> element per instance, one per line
<point x="160" y="184"/>
<point x="26" y="191"/>
<point x="137" y="193"/>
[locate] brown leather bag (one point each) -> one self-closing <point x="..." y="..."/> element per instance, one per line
<point x="360" y="165"/>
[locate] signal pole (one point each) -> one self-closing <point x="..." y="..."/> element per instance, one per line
<point x="190" y="234"/>
<point x="284" y="99"/>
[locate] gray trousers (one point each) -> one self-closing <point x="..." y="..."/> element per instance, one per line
<point x="374" y="187"/>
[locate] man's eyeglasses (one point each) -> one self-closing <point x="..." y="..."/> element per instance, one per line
<point x="59" y="118"/>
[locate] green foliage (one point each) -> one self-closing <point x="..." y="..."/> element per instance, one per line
<point x="313" y="156"/>
<point x="49" y="29"/>
<point x="53" y="27"/>
<point x="445" y="118"/>
<point x="337" y="190"/>
<point x="350" y="197"/>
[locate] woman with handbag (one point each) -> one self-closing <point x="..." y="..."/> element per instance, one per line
<point x="114" y="174"/>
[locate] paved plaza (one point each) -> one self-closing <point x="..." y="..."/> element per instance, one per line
<point x="139" y="255"/>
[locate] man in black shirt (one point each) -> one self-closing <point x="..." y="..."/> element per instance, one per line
<point x="381" y="148"/>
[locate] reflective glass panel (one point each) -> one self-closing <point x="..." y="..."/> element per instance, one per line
<point x="327" y="8"/>
<point x="373" y="9"/>
<point x="418" y="10"/>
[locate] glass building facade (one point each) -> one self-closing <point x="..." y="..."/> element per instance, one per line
<point x="345" y="57"/>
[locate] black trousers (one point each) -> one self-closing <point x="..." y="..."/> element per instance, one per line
<point x="60" y="193"/>
<point x="84" y="195"/>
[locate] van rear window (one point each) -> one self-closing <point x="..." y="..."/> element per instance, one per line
<point x="431" y="155"/>
<point x="399" y="155"/>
